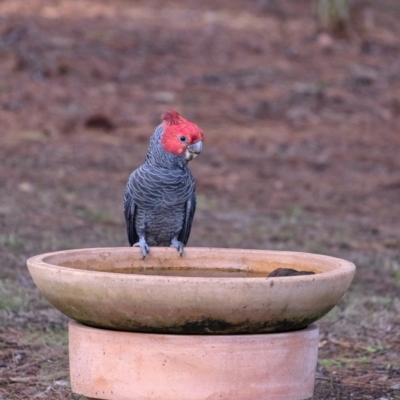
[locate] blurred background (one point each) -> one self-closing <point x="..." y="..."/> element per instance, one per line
<point x="299" y="101"/>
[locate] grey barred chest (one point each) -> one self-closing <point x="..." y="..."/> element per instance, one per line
<point x="162" y="225"/>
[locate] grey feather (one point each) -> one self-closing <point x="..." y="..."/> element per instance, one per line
<point x="160" y="198"/>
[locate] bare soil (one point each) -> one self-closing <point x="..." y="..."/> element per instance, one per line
<point x="301" y="153"/>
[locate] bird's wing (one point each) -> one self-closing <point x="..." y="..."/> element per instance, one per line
<point x="187" y="222"/>
<point x="130" y="215"/>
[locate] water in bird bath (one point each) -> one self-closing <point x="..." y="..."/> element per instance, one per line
<point x="179" y="267"/>
<point x="191" y="272"/>
<point x="208" y="272"/>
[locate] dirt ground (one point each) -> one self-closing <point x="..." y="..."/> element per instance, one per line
<point x="302" y="152"/>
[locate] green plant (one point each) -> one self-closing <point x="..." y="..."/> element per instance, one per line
<point x="11" y="241"/>
<point x="333" y="15"/>
<point x="12" y="297"/>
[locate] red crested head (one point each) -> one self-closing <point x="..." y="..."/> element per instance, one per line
<point x="180" y="135"/>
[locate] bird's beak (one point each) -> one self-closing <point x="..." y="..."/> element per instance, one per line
<point x="195" y="148"/>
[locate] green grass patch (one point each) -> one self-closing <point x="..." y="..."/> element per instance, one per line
<point x="397" y="277"/>
<point x="11" y="241"/>
<point x="329" y="362"/>
<point x="56" y="337"/>
<point x="206" y="203"/>
<point x="13" y="297"/>
<point x="94" y="215"/>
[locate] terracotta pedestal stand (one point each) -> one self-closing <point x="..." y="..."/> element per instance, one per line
<point x="214" y="314"/>
<point x="115" y="365"/>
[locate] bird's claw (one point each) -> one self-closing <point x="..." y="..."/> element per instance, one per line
<point x="143" y="247"/>
<point x="178" y="245"/>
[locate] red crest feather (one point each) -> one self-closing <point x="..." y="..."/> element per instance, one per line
<point x="171" y="117"/>
<point x="174" y="127"/>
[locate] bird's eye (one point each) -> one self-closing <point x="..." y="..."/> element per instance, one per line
<point x="182" y="138"/>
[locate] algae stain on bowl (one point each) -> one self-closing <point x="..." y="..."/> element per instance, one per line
<point x="207" y="291"/>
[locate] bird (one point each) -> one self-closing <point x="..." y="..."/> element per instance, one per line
<point x="160" y="195"/>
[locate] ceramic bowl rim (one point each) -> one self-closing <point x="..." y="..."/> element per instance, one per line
<point x="342" y="266"/>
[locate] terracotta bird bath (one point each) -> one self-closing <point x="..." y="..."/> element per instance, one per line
<point x="208" y="325"/>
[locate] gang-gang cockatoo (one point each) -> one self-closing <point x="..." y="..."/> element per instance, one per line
<point x="160" y="196"/>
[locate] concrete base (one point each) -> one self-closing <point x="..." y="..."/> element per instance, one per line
<point x="114" y="365"/>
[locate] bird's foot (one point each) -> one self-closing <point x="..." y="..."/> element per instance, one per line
<point x="178" y="245"/>
<point x="143" y="246"/>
